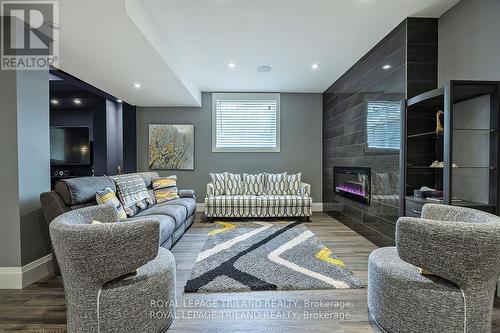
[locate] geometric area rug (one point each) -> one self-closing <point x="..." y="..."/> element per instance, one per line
<point x="258" y="255"/>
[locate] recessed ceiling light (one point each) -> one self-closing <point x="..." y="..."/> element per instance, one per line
<point x="137" y="85"/>
<point x="119" y="101"/>
<point x="386" y="67"/>
<point x="54" y="101"/>
<point x="264" y="69"/>
<point x="77" y="101"/>
<point x="315" y="66"/>
<point x="231" y="65"/>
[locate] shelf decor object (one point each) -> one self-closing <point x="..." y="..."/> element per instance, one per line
<point x="465" y="146"/>
<point x="439" y="126"/>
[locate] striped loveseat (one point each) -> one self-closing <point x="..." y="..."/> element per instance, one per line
<point x="261" y="195"/>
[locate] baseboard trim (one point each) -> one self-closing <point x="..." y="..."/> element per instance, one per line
<point x="21" y="277"/>
<point x="200" y="207"/>
<point x="316" y="207"/>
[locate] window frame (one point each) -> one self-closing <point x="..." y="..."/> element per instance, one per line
<point x="390" y="150"/>
<point x="246" y="96"/>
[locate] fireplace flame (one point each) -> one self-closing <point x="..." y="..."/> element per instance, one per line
<point x="352" y="188"/>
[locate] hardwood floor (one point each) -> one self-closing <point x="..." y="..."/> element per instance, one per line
<point x="40" y="307"/>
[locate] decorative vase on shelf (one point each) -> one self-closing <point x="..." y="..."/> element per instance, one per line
<point x="439" y="125"/>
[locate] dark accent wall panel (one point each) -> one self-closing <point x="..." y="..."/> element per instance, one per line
<point x="129" y="138"/>
<point x="405" y="61"/>
<point x="422" y="54"/>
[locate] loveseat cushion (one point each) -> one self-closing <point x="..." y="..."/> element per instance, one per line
<point x="294" y="182"/>
<point x="167" y="225"/>
<point x="233" y="183"/>
<point x="276" y="184"/>
<point x="188" y="203"/>
<point x="237" y="204"/>
<point x="177" y="212"/>
<point x="253" y="184"/>
<point x="285" y="201"/>
<point x="219" y="183"/>
<point x="76" y="191"/>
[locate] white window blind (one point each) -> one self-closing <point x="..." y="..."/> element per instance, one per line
<point x="246" y="122"/>
<point x="383" y="124"/>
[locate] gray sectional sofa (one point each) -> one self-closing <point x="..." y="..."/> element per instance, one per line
<point x="174" y="216"/>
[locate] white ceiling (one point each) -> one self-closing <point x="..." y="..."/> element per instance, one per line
<point x="177" y="48"/>
<point x="100" y="44"/>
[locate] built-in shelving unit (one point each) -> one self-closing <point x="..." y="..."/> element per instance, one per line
<point x="466" y="144"/>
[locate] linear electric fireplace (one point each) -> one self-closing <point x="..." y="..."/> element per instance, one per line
<point x="353" y="183"/>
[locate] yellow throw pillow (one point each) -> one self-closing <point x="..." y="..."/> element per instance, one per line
<point x="164" y="182"/>
<point x="95" y="222"/>
<point x="165" y="189"/>
<point x="108" y="197"/>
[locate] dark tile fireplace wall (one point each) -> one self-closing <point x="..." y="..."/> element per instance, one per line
<point x="410" y="51"/>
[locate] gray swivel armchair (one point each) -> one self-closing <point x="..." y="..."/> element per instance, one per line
<point x="116" y="278"/>
<point x="461" y="247"/>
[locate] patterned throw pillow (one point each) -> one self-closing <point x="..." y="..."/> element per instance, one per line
<point x="276" y="184"/>
<point x="219" y="183"/>
<point x="253" y="184"/>
<point x="165" y="189"/>
<point x="108" y="197"/>
<point x="234" y="185"/>
<point x="293" y="183"/>
<point x="132" y="193"/>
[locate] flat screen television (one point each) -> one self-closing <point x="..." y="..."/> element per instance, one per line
<point x="69" y="145"/>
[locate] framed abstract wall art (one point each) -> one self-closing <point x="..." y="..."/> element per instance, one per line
<point x="171" y="147"/>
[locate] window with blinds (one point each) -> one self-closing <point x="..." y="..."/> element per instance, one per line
<point x="383" y="124"/>
<point x="246" y="122"/>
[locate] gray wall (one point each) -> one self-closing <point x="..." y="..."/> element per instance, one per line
<point x="469" y="41"/>
<point x="301" y="143"/>
<point x="24" y="132"/>
<point x="10" y="233"/>
<point x="33" y="161"/>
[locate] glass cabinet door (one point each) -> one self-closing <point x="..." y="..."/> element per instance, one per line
<point x="470" y="167"/>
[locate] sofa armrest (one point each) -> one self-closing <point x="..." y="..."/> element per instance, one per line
<point x="305" y="190"/>
<point x="103" y="252"/>
<point x="52" y="205"/>
<point x="458" y="252"/>
<point x="186" y="194"/>
<point x="210" y="189"/>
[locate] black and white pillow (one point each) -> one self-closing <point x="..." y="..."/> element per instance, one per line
<point x="233" y="183"/>
<point x="276" y="184"/>
<point x="253" y="184"/>
<point x="293" y="183"/>
<point x="219" y="183"/>
<point x="132" y="193"/>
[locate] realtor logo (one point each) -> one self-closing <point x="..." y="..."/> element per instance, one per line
<point x="30" y="35"/>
